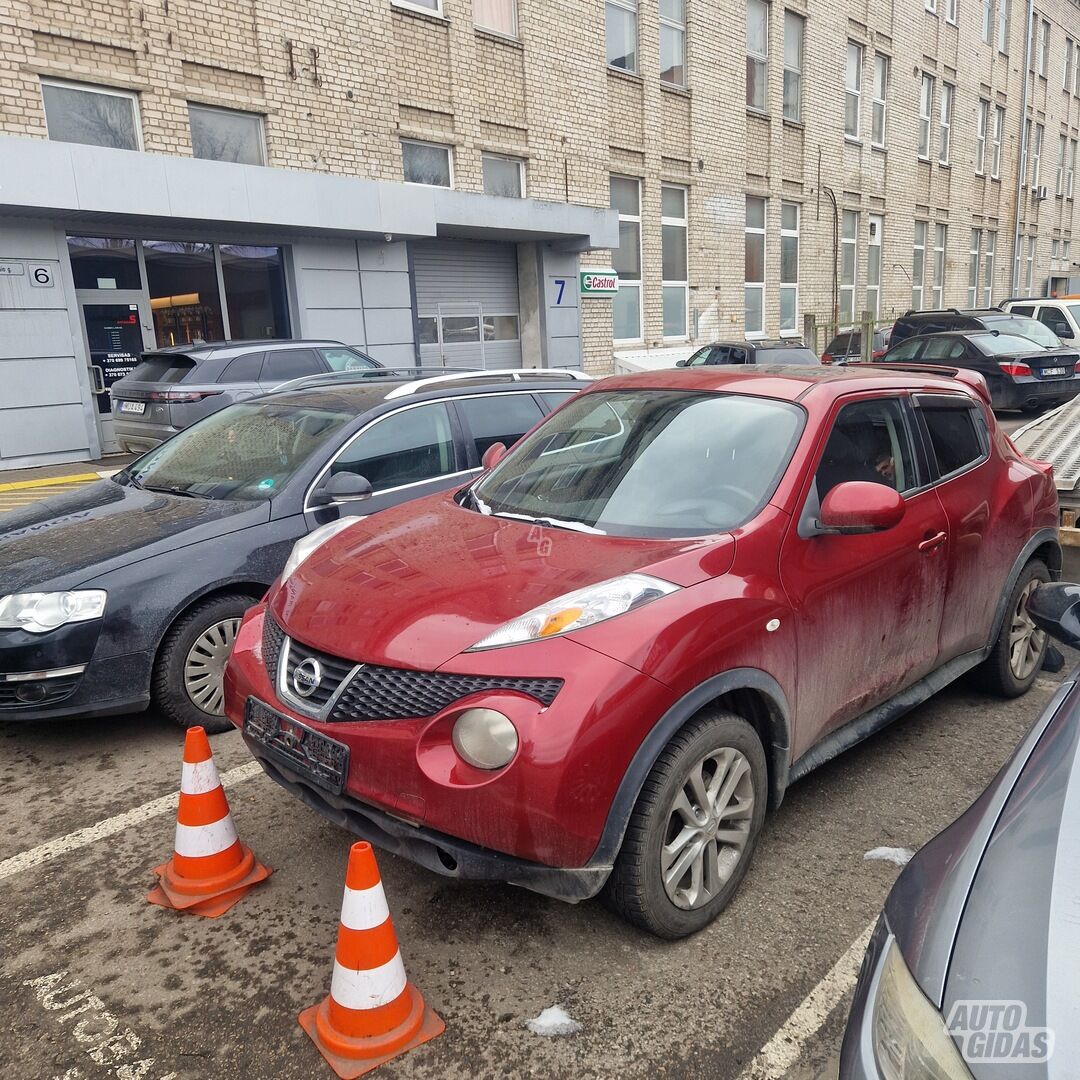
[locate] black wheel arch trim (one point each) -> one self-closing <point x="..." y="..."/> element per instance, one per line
<point x="777" y="752"/>
<point x="1035" y="541"/>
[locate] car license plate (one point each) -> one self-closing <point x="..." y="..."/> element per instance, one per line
<point x="136" y="407"/>
<point x="322" y="760"/>
<point x="1053" y="371"/>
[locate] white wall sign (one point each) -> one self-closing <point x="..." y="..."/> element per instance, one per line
<point x="41" y="276"/>
<point x="12" y="269"/>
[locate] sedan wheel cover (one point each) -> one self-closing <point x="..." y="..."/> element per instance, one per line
<point x="708" y="827"/>
<point x="204" y="667"/>
<point x="1026" y="640"/>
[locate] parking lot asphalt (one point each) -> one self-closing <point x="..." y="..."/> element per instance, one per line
<point x="97" y="982"/>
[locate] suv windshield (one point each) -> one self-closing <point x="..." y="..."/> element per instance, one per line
<point x="1025" y="327"/>
<point x="246" y="452"/>
<point x="657" y="463"/>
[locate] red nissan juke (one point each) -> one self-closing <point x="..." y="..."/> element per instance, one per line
<point x="594" y="667"/>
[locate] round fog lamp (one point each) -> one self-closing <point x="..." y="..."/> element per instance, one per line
<point x="485" y="738"/>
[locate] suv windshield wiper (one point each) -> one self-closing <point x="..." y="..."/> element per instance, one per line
<point x="554" y="523"/>
<point x="182" y="492"/>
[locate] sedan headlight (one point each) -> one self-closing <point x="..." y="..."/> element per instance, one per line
<point x="307" y="545"/>
<point x="40" y="612"/>
<point x="911" y="1041"/>
<point x="579" y="609"/>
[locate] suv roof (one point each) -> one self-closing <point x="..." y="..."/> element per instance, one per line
<point x="972" y="312"/>
<point x="207" y="348"/>
<point x="778" y="343"/>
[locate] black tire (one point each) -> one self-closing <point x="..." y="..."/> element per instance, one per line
<point x="636" y="890"/>
<point x="996" y="674"/>
<point x="168" y="686"/>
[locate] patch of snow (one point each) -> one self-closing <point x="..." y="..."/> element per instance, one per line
<point x="899" y="855"/>
<point x="553" y="1021"/>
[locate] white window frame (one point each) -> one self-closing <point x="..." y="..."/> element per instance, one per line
<point x="853" y="93"/>
<point x="95" y="88"/>
<point x="982" y="123"/>
<point x="930" y="6"/>
<point x="874" y="241"/>
<point x="1037" y="133"/>
<point x="1026" y="142"/>
<point x="926" y="116"/>
<point x="523" y="172"/>
<point x="793" y="17"/>
<point x="945" y="116"/>
<point x="760" y="286"/>
<point x="988" y="266"/>
<point x="951" y="8"/>
<point x="995" y="142"/>
<point x="789" y="286"/>
<point x="762" y="59"/>
<point x="436" y="12"/>
<point x="880" y="101"/>
<point x="1067" y="77"/>
<point x="261" y="121"/>
<point x="1055" y="250"/>
<point x="684" y="224"/>
<point x="632" y="7"/>
<point x="641" y="258"/>
<point x="851" y="287"/>
<point x="1029" y="266"/>
<point x="941" y="243"/>
<point x="1076" y="68"/>
<point x="974" y="266"/>
<point x="1044" y="48"/>
<point x="424" y="142"/>
<point x="986" y="28"/>
<point x="1003" y="27"/>
<point x="513" y="35"/>
<point x="672" y="24"/>
<point x="918" y="281"/>
<point x="1070" y="170"/>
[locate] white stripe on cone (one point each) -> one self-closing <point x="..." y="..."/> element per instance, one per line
<point x="195" y="841"/>
<point x="368" y="988"/>
<point x="199" y="778"/>
<point x="364" y="909"/>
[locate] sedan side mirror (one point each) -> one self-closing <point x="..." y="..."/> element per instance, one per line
<point x="493" y="455"/>
<point x="342" y="487"/>
<point x="859" y="506"/>
<point x="684" y="362"/>
<point x="1055" y="608"/>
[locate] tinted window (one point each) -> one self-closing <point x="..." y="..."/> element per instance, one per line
<point x="869" y="442"/>
<point x="944" y="348"/>
<point x="954" y="437"/>
<point x="734" y="356"/>
<point x="554" y="400"/>
<point x="1023" y="309"/>
<point x="842" y="344"/>
<point x="288" y="364"/>
<point x="906" y="350"/>
<point x="342" y="359"/>
<point x="500" y="418"/>
<point x="244" y="368"/>
<point x="700" y="357"/>
<point x="164" y="369"/>
<point x="1056" y="320"/>
<point x="786" y="356"/>
<point x="416" y="444"/>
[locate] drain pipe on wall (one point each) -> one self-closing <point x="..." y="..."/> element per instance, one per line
<point x="1021" y="167"/>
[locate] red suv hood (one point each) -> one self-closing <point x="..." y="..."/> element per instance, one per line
<point x="417" y="584"/>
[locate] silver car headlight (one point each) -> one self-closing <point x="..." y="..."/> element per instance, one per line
<point x="40" y="612"/>
<point x="911" y="1041"/>
<point x="306" y="546"/>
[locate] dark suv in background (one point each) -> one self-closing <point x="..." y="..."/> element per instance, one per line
<point x="173" y="387"/>
<point x="846" y="347"/>
<point x="912" y="323"/>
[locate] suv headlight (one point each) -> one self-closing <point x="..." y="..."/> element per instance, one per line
<point x="911" y="1041"/>
<point x="40" y="612"/>
<point x="307" y="545"/>
<point x="579" y="609"/>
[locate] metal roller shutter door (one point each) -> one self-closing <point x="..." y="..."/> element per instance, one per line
<point x="467" y="303"/>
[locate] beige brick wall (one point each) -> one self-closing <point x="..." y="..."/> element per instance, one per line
<point x="340" y="83"/>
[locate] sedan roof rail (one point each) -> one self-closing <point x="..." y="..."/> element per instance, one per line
<point x="491" y="375"/>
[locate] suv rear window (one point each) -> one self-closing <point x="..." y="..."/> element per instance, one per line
<point x="786" y="356"/>
<point x="162" y="369"/>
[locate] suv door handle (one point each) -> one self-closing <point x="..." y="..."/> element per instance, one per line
<point x="932" y="542"/>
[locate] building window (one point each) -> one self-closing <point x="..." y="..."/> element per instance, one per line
<point x="918" y="266"/>
<point x="789" y="268"/>
<point x="982" y="118"/>
<point x="1070" y="173"/>
<point x="849" y="251"/>
<point x="1036" y="154"/>
<point x="98" y="263"/>
<point x="226" y="135"/>
<point x="503" y="176"/>
<point x="497" y="15"/>
<point x="926" y="110"/>
<point x="427" y="163"/>
<point x="931" y="6"/>
<point x="941" y="233"/>
<point x="794" y="32"/>
<point x="950" y="11"/>
<point x="988" y="268"/>
<point x="1044" y="49"/>
<point x="676" y="279"/>
<point x="626" y="259"/>
<point x="673" y="42"/>
<point x="1029" y="266"/>
<point x="1067" y="80"/>
<point x="1003" y="26"/>
<point x="434" y="7"/>
<point x="974" y="259"/>
<point x="94" y="115"/>
<point x="255" y="296"/>
<point x="945" y="108"/>
<point x="1055" y="249"/>
<point x="1076" y="70"/>
<point x="881" y="95"/>
<point x="184" y="298"/>
<point x="873" y="266"/>
<point x="853" y="89"/>
<point x="1065" y="245"/>
<point x="620" y="22"/>
<point x="986" y="24"/>
<point x="995" y="142"/>
<point x="754" y="267"/>
<point x="757" y="53"/>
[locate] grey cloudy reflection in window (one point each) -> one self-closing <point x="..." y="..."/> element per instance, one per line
<point x="91" y="116"/>
<point x="225" y="135"/>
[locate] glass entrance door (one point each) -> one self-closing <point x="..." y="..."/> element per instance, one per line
<point x="118" y="328"/>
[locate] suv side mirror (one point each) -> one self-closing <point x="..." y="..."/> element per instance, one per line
<point x="493" y="455"/>
<point x="859" y="506"/>
<point x="1055" y="608"/>
<point x="684" y="362"/>
<point x="342" y="487"/>
<point x="1064" y="331"/>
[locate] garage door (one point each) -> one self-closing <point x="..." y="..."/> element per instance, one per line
<point x="467" y="303"/>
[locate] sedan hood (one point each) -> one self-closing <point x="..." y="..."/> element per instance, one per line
<point x="416" y="585"/>
<point x="69" y="539"/>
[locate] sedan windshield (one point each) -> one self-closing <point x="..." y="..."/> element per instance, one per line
<point x="1004" y="344"/>
<point x="1025" y="327"/>
<point x="247" y="452"/>
<point x="656" y="463"/>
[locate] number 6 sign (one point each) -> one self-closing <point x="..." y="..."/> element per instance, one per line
<point x="41" y="277"/>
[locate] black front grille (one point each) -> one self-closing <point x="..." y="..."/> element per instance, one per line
<point x="272" y="640"/>
<point x="382" y="693"/>
<point x="334" y="670"/>
<point x="37" y="693"/>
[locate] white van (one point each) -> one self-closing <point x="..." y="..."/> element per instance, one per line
<point x="1062" y="315"/>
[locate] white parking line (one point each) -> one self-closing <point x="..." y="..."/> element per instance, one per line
<point x="61" y="845"/>
<point x="783" y="1050"/>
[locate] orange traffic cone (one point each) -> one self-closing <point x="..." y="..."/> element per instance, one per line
<point x="210" y="869"/>
<point x="372" y="1013"/>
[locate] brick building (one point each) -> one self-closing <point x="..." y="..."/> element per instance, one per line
<point x="425" y="178"/>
